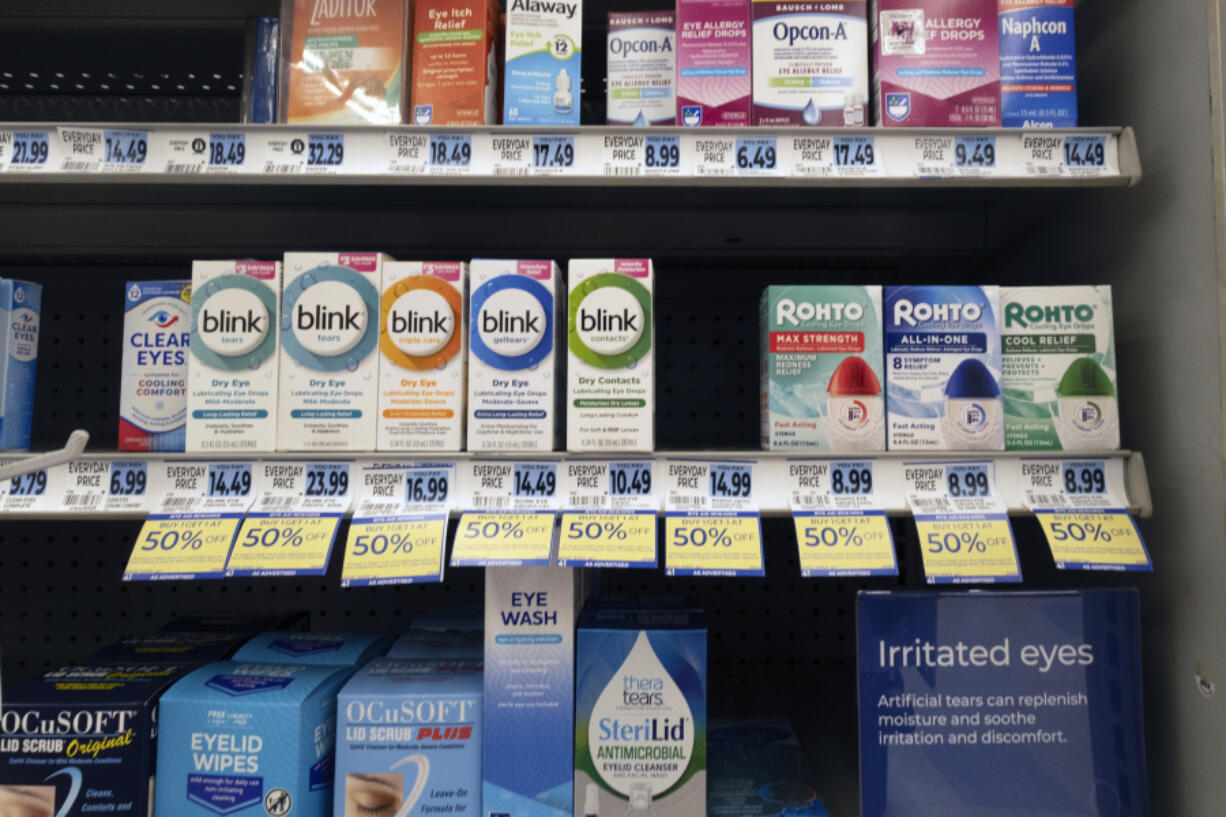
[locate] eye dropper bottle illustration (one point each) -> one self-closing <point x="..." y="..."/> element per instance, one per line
<point x="855" y="410"/>
<point x="974" y="413"/>
<point x="563" y="102"/>
<point x="1088" y="418"/>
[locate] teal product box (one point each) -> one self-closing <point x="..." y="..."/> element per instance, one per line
<point x="169" y="648"/>
<point x="20" y="311"/>
<point x="238" y="621"/>
<point x="821" y="368"/>
<point x="641" y="712"/>
<point x="409" y="740"/>
<point x="253" y="740"/>
<point x="438" y="644"/>
<point x="315" y="649"/>
<point x="757" y="769"/>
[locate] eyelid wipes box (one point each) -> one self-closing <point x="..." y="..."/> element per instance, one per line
<point x="455" y="62"/>
<point x="20" y="313"/>
<point x="513" y="394"/>
<point x="423" y="348"/>
<point x="316" y="649"/>
<point x="329" y="395"/>
<point x="544" y="41"/>
<point x="232" y="376"/>
<point x="237" y="736"/>
<point x="409" y="739"/>
<point x="156" y="338"/>
<point x="610" y="394"/>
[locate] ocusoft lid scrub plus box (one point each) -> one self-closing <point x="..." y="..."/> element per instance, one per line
<point x="714" y="61"/>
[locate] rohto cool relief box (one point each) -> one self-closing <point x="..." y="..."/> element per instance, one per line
<point x="156" y="338"/>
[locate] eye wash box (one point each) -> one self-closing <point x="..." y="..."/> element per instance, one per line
<point x="943" y="363"/>
<point x="232" y="375"/>
<point x="714" y="61"/>
<point x="1038" y="64"/>
<point x="157" y="336"/>
<point x="822" y="368"/>
<point x="320" y="649"/>
<point x="20" y="311"/>
<point x="642" y="68"/>
<point x="1059" y="369"/>
<point x="329" y="394"/>
<point x="544" y="41"/>
<point x="610" y="395"/>
<point x="409" y="739"/>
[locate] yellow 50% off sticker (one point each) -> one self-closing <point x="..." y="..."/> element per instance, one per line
<point x="1094" y="540"/>
<point x="176" y="548"/>
<point x="713" y="544"/>
<point x="503" y="539"/>
<point x="400" y="551"/>
<point x="608" y="540"/>
<point x="283" y="546"/>
<point x="834" y="544"/>
<point x="959" y="550"/>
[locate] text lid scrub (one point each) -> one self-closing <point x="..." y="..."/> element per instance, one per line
<point x="1059" y="369"/>
<point x="936" y="63"/>
<point x="455" y="62"/>
<point x="714" y="60"/>
<point x="409" y="739"/>
<point x="157" y="337"/>
<point x="513" y="392"/>
<point x="329" y="361"/>
<point x="322" y="649"/>
<point x="943" y="363"/>
<point x="20" y="314"/>
<point x="810" y="63"/>
<point x="1038" y="64"/>
<point x="642" y="68"/>
<point x="232" y="377"/>
<point x="543" y="58"/>
<point x="610" y="396"/>
<point x="821" y="368"/>
<point x="423" y="348"/>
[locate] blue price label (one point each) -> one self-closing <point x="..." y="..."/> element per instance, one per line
<point x="129" y="478"/>
<point x="31" y="484"/>
<point x="30" y="148"/>
<point x="851" y="478"/>
<point x="125" y="147"/>
<point x="326" y="479"/>
<point x="662" y="153"/>
<point x="975" y="152"/>
<point x="227" y="149"/>
<point x="630" y="479"/>
<point x="553" y="152"/>
<point x="756" y="154"/>
<point x="426" y="485"/>
<point x="451" y="150"/>
<point x="325" y="150"/>
<point x="1085" y="151"/>
<point x="855" y="151"/>
<point x="731" y="481"/>
<point x="229" y="480"/>
<point x="535" y="479"/>
<point x="1085" y="477"/>
<point x="967" y="481"/>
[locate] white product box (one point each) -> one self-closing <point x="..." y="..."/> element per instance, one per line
<point x="543" y="53"/>
<point x="156" y="341"/>
<point x="642" y="72"/>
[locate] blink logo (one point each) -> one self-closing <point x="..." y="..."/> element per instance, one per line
<point x="226" y="321"/>
<point x="324" y="319"/>
<point x="233" y="321"/>
<point x="914" y="314"/>
<point x="602" y="320"/>
<point x="435" y="323"/>
<point x="507" y="323"/>
<point x="331" y="9"/>
<point x="792" y="313"/>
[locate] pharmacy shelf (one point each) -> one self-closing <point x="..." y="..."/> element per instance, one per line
<point x="772" y="157"/>
<point x="81" y="489"/>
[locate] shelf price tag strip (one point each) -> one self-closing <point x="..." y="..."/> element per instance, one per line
<point x="399" y="530"/>
<point x="192" y="527"/>
<point x="841" y="526"/>
<point x="292" y="524"/>
<point x="609" y="516"/>
<point x="712" y="526"/>
<point x="510" y="516"/>
<point x="964" y="531"/>
<point x="1086" y="525"/>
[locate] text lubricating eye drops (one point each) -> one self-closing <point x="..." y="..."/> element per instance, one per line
<point x="157" y="336"/>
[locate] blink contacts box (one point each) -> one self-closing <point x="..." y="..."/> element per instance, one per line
<point x="321" y="649"/>
<point x="20" y="313"/>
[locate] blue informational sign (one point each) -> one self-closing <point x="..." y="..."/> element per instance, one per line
<point x="996" y="704"/>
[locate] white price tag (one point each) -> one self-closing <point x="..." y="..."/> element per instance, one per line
<point x="303" y="487"/>
<point x="812" y="156"/>
<point x="1070" y="485"/>
<point x="498" y="485"/>
<point x="205" y="487"/>
<point x="80" y="149"/>
<point x="510" y="154"/>
<point x="692" y="485"/>
<point x="406" y="154"/>
<point x="185" y="154"/>
<point x="597" y="485"/>
<point x="1052" y="155"/>
<point x="85" y="486"/>
<point x="833" y="485"/>
<point x="622" y="154"/>
<point x="957" y="488"/>
<point x="945" y="156"/>
<point x="713" y="155"/>
<point x="25" y="151"/>
<point x="285" y="154"/>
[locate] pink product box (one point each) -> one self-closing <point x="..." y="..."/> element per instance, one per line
<point x="714" y="61"/>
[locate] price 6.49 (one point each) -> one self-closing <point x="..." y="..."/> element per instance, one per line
<point x="756" y="157"/>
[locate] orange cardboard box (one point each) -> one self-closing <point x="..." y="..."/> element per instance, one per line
<point x="455" y="62"/>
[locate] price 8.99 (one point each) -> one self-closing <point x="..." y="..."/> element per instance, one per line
<point x="967" y="481"/>
<point x="662" y="153"/>
<point x="1085" y="478"/>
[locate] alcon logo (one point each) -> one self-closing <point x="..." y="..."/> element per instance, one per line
<point x="626" y="47"/>
<point x="1024" y="316"/>
<point x="793" y="313"/>
<point x="332" y="9"/>
<point x="783" y="31"/>
<point x="914" y="314"/>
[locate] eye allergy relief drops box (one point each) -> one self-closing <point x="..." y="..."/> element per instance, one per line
<point x="810" y="62"/>
<point x="822" y="368"/>
<point x="320" y="649"/>
<point x="943" y="363"/>
<point x="157" y="335"/>
<point x="82" y="741"/>
<point x="641" y="713"/>
<point x="422" y="342"/>
<point x="936" y="63"/>
<point x="513" y="393"/>
<point x="1059" y="369"/>
<point x="409" y="739"/>
<point x="714" y="60"/>
<point x="543" y="57"/>
<point x="642" y="68"/>
<point x="252" y="740"/>
<point x="329" y="364"/>
<point x="455" y="62"/>
<point x="1038" y="64"/>
<point x="610" y="394"/>
<point x="232" y="376"/>
<point x="20" y="311"/>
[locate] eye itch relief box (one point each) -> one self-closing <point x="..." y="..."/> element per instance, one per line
<point x="232" y="376"/>
<point x="1038" y="64"/>
<point x="409" y="739"/>
<point x="82" y="741"/>
<point x="316" y="649"/>
<point x="513" y="395"/>
<point x="714" y="60"/>
<point x="529" y="705"/>
<point x="157" y="335"/>
<point x="543" y="60"/>
<point x="186" y="648"/>
<point x="20" y="311"/>
<point x="936" y="63"/>
<point x="810" y="62"/>
<point x="249" y="739"/>
<point x="610" y="394"/>
<point x="329" y="364"/>
<point x="641" y="713"/>
<point x="345" y="61"/>
<point x="943" y="363"/>
<point x="822" y="368"/>
<point x="455" y="62"/>
<point x="642" y="68"/>
<point x="422" y="342"/>
<point x="1059" y="369"/>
